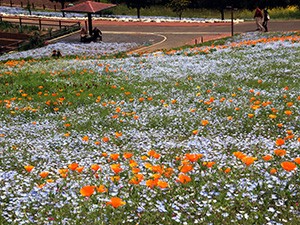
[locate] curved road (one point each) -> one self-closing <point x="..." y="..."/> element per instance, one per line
<point x="154" y="36"/>
<point x="157" y="36"/>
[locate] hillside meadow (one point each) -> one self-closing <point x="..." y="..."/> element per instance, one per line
<point x="197" y="135"/>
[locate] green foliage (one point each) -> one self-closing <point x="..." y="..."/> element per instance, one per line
<point x="178" y="6"/>
<point x="275" y="13"/>
<point x="138" y="5"/>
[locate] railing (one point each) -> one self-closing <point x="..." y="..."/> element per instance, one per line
<point x="32" y="5"/>
<point x="39" y="22"/>
<point x="60" y="28"/>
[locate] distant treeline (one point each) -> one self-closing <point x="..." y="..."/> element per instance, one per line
<point x="179" y="6"/>
<point x="216" y="4"/>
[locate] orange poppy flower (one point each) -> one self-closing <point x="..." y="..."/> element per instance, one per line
<point x="105" y="139"/>
<point x="151" y="183"/>
<point x="280" y="142"/>
<point x="95" y="167"/>
<point x="204" y="122"/>
<point x="115" y="178"/>
<point x="162" y="184"/>
<point x="136" y="179"/>
<point x="85" y="138"/>
<point x="288" y="112"/>
<point x="173" y="101"/>
<point x="116" y="168"/>
<point x="297" y="160"/>
<point x="195" y="132"/>
<point x="40" y="185"/>
<point x="209" y="164"/>
<point x="116" y="202"/>
<point x="127" y="155"/>
<point x="267" y="157"/>
<point x="157" y="169"/>
<point x="79" y="169"/>
<point x="273" y="171"/>
<point x="135" y="170"/>
<point x="168" y="172"/>
<point x="133" y="163"/>
<point x="118" y="134"/>
<point x="248" y="160"/>
<point x="288" y="166"/>
<point x="183" y="178"/>
<point x="193" y="157"/>
<point x="87" y="191"/>
<point x="114" y="156"/>
<point x="186" y="168"/>
<point x="101" y="189"/>
<point x="156" y="176"/>
<point x="62" y="171"/>
<point x="73" y="166"/>
<point x="28" y="168"/>
<point x="44" y="174"/>
<point x="280" y="152"/>
<point x="280" y="125"/>
<point x="239" y="155"/>
<point x="154" y="154"/>
<point x="227" y="170"/>
<point x="250" y="115"/>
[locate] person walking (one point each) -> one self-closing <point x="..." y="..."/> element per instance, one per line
<point x="258" y="16"/>
<point x="266" y="19"/>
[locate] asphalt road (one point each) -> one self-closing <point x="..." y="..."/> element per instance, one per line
<point x="156" y="36"/>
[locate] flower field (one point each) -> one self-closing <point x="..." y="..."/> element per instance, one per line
<point x="200" y="135"/>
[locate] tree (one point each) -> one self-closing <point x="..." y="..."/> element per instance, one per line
<point x="178" y="6"/>
<point x="28" y="6"/>
<point x="138" y="5"/>
<point x="62" y="3"/>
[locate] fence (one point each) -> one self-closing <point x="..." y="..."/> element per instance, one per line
<point x="45" y="5"/>
<point x="55" y="28"/>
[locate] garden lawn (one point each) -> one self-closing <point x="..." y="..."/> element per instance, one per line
<point x="201" y="135"/>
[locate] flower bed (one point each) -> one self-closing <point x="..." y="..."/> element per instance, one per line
<point x="203" y="135"/>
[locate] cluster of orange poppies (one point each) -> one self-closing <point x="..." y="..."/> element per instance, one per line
<point x="208" y="49"/>
<point x="286" y="165"/>
<point x="159" y="173"/>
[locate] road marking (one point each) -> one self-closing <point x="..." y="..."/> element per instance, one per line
<point x="60" y="37"/>
<point x="160" y="33"/>
<point x="146" y="47"/>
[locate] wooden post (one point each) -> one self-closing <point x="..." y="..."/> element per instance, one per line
<point x="44" y="7"/>
<point x="201" y="39"/>
<point x="20" y="21"/>
<point x="90" y="23"/>
<point x="40" y="24"/>
<point x="55" y="8"/>
<point x="21" y="4"/>
<point x="11" y="3"/>
<point x="59" y="24"/>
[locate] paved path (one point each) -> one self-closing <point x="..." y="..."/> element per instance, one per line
<point x="155" y="36"/>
